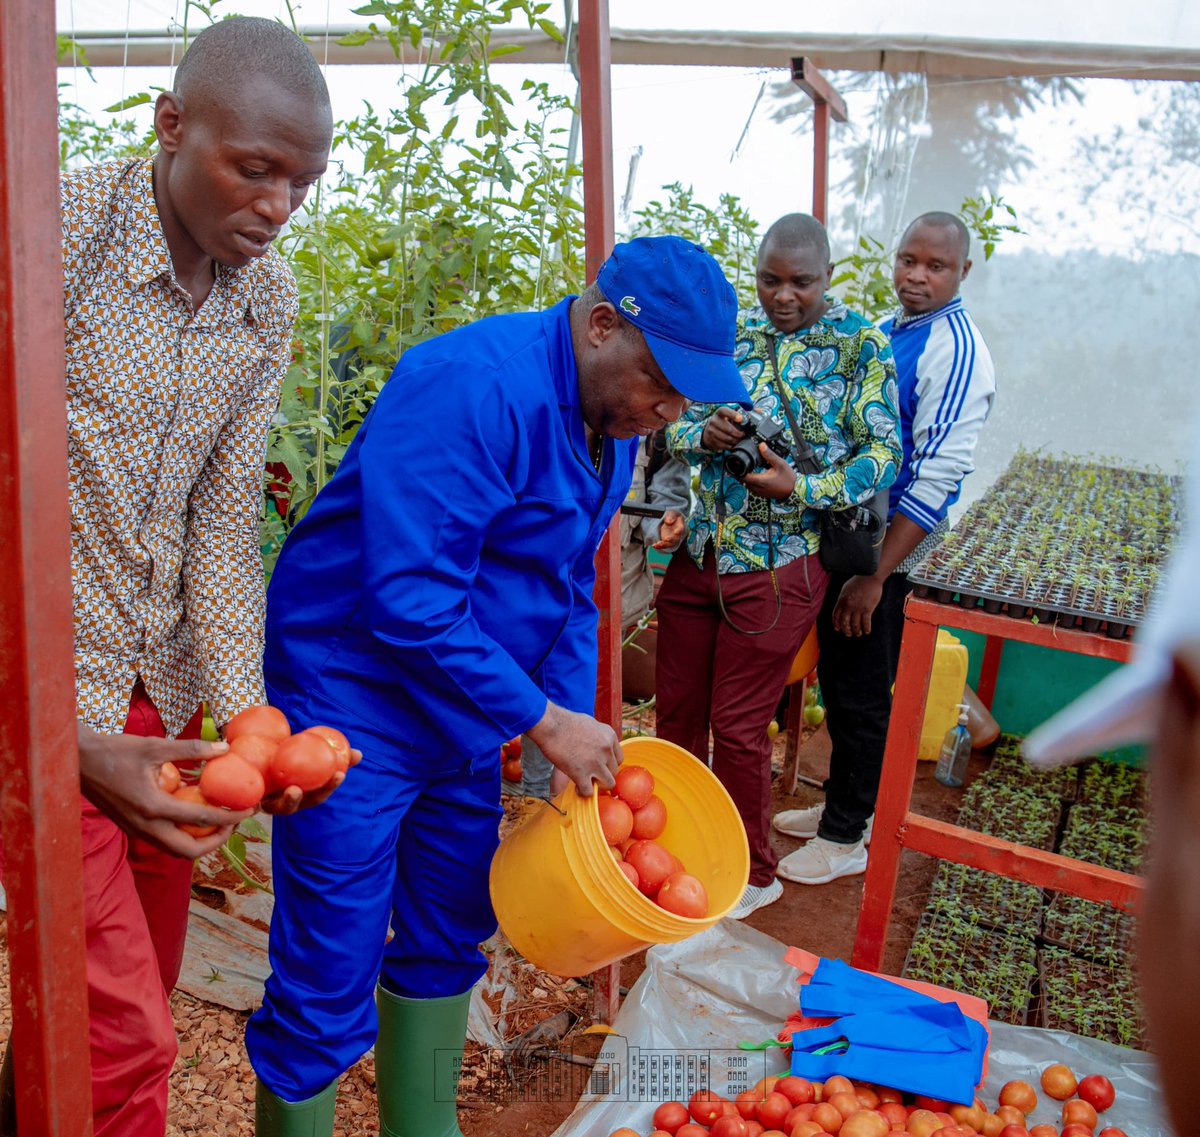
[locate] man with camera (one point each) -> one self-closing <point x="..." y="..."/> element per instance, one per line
<point x="947" y="384"/>
<point x="733" y="612"/>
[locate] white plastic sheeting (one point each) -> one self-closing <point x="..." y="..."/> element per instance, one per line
<point x="698" y="999"/>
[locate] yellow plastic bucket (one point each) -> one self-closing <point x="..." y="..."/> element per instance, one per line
<point x="566" y="907"/>
<point x="946" y="683"/>
<point x="806" y="658"/>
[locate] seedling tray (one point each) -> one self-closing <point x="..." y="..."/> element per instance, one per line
<point x="1086" y="998"/>
<point x="956" y="950"/>
<point x="1009" y="768"/>
<point x="1094" y="931"/>
<point x="1016" y="813"/>
<point x="1113" y="784"/>
<point x="1115" y="838"/>
<point x="1066" y="541"/>
<point x="998" y="901"/>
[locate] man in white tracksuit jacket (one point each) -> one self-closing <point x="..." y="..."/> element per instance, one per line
<point x="947" y="384"/>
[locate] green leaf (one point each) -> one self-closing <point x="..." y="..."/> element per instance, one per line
<point x="356" y="39"/>
<point x="140" y="99"/>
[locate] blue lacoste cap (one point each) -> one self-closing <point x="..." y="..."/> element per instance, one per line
<point x="676" y="295"/>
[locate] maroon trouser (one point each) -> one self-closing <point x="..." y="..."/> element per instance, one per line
<point x="135" y="907"/>
<point x="711" y="674"/>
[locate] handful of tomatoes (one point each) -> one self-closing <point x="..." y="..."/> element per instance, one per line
<point x="264" y="757"/>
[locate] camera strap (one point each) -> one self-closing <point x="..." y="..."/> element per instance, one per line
<point x="803" y="455"/>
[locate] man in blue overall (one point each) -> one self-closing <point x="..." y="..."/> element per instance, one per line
<point x="435" y="602"/>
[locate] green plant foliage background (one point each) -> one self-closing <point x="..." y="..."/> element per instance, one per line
<point x="443" y="208"/>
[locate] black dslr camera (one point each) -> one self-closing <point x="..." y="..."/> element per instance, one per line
<point x="744" y="457"/>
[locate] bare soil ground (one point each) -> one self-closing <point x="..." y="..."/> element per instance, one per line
<point x="528" y="1095"/>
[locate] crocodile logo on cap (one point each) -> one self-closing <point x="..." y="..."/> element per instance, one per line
<point x="628" y="305"/>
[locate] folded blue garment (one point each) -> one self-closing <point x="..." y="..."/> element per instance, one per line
<point x="929" y="1048"/>
<point x="837" y="989"/>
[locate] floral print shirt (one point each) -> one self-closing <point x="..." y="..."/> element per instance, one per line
<point x="167" y="416"/>
<point x="841" y="383"/>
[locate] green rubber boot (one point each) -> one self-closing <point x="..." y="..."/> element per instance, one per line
<point x="417" y="1060"/>
<point x="274" y="1117"/>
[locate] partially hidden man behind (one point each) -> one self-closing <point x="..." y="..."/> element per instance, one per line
<point x="734" y="610"/>
<point x="947" y="384"/>
<point x="435" y="602"/>
<point x="178" y="331"/>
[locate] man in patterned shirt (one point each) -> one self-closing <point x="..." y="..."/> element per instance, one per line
<point x="733" y="614"/>
<point x="178" y="329"/>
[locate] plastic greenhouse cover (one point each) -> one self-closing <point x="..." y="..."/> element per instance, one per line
<point x="679" y="1028"/>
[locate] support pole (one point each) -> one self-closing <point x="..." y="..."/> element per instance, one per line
<point x="595" y="105"/>
<point x="39" y="768"/>
<point x="826" y="102"/>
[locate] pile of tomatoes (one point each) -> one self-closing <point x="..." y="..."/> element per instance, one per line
<point x="795" y="1107"/>
<point x="510" y="760"/>
<point x="263" y="758"/>
<point x="632" y="818"/>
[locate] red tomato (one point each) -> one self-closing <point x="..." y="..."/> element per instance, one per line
<point x="650" y="820"/>
<point x="257" y="749"/>
<point x="635" y="785"/>
<point x="1059" y="1082"/>
<point x="653" y="864"/>
<point x="971" y="1115"/>
<point x="827" y="1117"/>
<point x="923" y="1123"/>
<point x="845" y="1103"/>
<point x="1075" y="1129"/>
<point x="625" y="1131"/>
<point x="798" y="1091"/>
<point x="1079" y="1112"/>
<point x="754" y="1129"/>
<point x="773" y="1110"/>
<point x="895" y="1114"/>
<point x="193" y="796"/>
<point x="1010" y="1115"/>
<point x="631" y="874"/>
<point x="303" y="760"/>
<point x="802" y="1128"/>
<point x="670" y="1116"/>
<point x="1097" y="1091"/>
<point x="512" y="748"/>
<point x="838" y="1084"/>
<point x="168" y="777"/>
<point x="992" y="1124"/>
<point x="705" y="1106"/>
<point x="798" y="1113"/>
<point x="1020" y="1095"/>
<point x="690" y="1130"/>
<point x="231" y="782"/>
<point x="1014" y="1131"/>
<point x="888" y="1094"/>
<point x="682" y="894"/>
<point x="339" y="742"/>
<point x="867" y="1097"/>
<point x="266" y="721"/>
<point x="616" y="819"/>
<point x="510" y="770"/>
<point x="727" y="1126"/>
<point x="1043" y="1131"/>
<point x="865" y="1123"/>
<point x="1111" y="1131"/>
<point x="934" y="1105"/>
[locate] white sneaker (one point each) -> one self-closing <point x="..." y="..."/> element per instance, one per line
<point x="755" y="897"/>
<point x="803" y="823"/>
<point x="821" y="861"/>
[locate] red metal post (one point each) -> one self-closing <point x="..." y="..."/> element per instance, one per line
<point x="989" y="671"/>
<point x="897" y="828"/>
<point x="895" y="792"/>
<point x="820" y="193"/>
<point x="826" y="102"/>
<point x="39" y="771"/>
<point x="599" y="219"/>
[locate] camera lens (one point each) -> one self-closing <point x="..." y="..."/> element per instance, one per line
<point x="742" y="458"/>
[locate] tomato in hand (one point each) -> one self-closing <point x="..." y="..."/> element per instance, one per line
<point x="267" y="721"/>
<point x="337" y="740"/>
<point x="168" y="777"/>
<point x="231" y="782"/>
<point x="193" y="796"/>
<point x="302" y="760"/>
<point x="257" y="749"/>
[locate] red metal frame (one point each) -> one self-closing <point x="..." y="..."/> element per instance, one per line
<point x="898" y="828"/>
<point x="599" y="220"/>
<point x="39" y="772"/>
<point x="826" y="102"/>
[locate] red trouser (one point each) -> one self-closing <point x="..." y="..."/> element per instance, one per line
<point x="710" y="674"/>
<point x="135" y="902"/>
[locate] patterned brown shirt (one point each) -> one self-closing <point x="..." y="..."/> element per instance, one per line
<point x="167" y="415"/>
